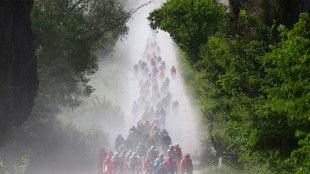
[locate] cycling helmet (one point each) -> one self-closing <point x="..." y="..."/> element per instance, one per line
<point x="170" y="146"/>
<point x="134" y="153"/>
<point x="153" y="147"/>
<point x="161" y="155"/>
<point x="116" y="154"/>
<point x="186" y="155"/>
<point x="176" y="145"/>
<point x="110" y="152"/>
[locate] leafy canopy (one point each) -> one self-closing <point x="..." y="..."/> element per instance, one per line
<point x="67" y="34"/>
<point x="189" y="22"/>
<point x="287" y="89"/>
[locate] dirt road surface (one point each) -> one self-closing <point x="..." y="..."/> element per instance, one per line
<point x="182" y="126"/>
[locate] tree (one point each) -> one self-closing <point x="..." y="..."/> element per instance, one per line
<point x="67" y="33"/>
<point x="189" y="22"/>
<point x="18" y="65"/>
<point x="286" y="110"/>
<point x="283" y="12"/>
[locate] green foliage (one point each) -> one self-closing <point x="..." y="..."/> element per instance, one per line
<point x="271" y="12"/>
<point x="283" y="12"/>
<point x="249" y="73"/>
<point x="18" y="65"/>
<point x="189" y="22"/>
<point x="286" y="110"/>
<point x="301" y="156"/>
<point x="270" y="98"/>
<point x="21" y="168"/>
<point x="64" y="56"/>
<point x="225" y="169"/>
<point x="212" y="65"/>
<point x="59" y="148"/>
<point x="67" y="34"/>
<point x="215" y="57"/>
<point x="17" y="168"/>
<point x="2" y="170"/>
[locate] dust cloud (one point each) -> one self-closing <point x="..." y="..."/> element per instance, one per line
<point x="117" y="87"/>
<point x="182" y="126"/>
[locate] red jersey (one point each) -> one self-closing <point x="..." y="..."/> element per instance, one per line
<point x="186" y="162"/>
<point x="108" y="165"/>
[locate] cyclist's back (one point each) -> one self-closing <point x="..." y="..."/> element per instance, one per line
<point x="173" y="70"/>
<point x="148" y="166"/>
<point x="186" y="164"/>
<point x="108" y="165"/>
<point x="161" y="169"/>
<point x="171" y="165"/>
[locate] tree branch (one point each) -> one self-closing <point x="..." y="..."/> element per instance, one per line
<point x="119" y="23"/>
<point x="133" y="11"/>
<point x="72" y="8"/>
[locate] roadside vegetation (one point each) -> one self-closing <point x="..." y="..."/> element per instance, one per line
<point x="251" y="64"/>
<point x="67" y="36"/>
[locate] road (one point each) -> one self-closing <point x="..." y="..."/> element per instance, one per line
<point x="116" y="81"/>
<point x="182" y="126"/>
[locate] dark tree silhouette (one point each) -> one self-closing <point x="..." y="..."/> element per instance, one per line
<point x="18" y="65"/>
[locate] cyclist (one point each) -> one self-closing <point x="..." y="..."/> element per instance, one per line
<point x="171" y="152"/>
<point x="119" y="141"/>
<point x="171" y="165"/>
<point x="134" y="163"/>
<point x="173" y="71"/>
<point x="178" y="153"/>
<point x="166" y="81"/>
<point x="108" y="165"/>
<point x="159" y="160"/>
<point x="155" y="129"/>
<point x="152" y="153"/>
<point x="175" y="105"/>
<point x="161" y="75"/>
<point x="160" y="167"/>
<point x="126" y="162"/>
<point x="147" y="124"/>
<point x="186" y="164"/>
<point x="148" y="166"/>
<point x="117" y="163"/>
<point x="123" y="160"/>
<point x="165" y="140"/>
<point x="101" y="156"/>
<point x="136" y="69"/>
<point x="141" y="150"/>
